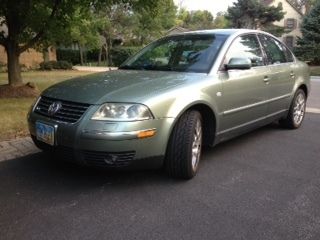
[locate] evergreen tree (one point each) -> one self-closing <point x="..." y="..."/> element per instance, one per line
<point x="308" y="47"/>
<point x="253" y="14"/>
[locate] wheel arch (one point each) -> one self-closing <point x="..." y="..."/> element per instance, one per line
<point x="304" y="88"/>
<point x="209" y="120"/>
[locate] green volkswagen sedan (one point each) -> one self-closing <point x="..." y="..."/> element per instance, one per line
<point x="175" y="96"/>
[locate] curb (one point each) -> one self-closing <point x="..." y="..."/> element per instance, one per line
<point x="15" y="148"/>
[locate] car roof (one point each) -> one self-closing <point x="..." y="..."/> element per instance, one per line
<point x="228" y="32"/>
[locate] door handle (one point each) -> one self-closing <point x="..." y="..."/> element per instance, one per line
<point x="266" y="80"/>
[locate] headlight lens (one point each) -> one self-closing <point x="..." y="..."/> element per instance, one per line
<point x="122" y="112"/>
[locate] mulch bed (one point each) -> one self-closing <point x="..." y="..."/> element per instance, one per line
<point x="27" y="90"/>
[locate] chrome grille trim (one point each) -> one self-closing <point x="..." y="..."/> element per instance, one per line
<point x="70" y="112"/>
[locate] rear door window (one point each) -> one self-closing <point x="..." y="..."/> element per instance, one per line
<point x="276" y="52"/>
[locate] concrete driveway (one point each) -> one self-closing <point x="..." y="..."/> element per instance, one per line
<point x="263" y="185"/>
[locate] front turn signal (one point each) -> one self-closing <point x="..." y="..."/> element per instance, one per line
<point x="147" y="133"/>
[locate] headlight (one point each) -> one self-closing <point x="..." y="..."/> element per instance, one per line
<point x="122" y="112"/>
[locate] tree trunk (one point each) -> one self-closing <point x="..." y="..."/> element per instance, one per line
<point x="45" y="53"/>
<point x="100" y="55"/>
<point x="109" y="53"/>
<point x="14" y="70"/>
<point x="106" y="48"/>
<point x="81" y="54"/>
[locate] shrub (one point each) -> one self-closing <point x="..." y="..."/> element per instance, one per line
<point x="69" y="55"/>
<point x="120" y="54"/>
<point x="50" y="65"/>
<point x="3" y="67"/>
<point x="64" y="65"/>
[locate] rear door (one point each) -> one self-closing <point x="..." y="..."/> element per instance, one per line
<point x="244" y="91"/>
<point x="282" y="77"/>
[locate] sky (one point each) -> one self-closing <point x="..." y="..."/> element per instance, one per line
<point x="212" y="6"/>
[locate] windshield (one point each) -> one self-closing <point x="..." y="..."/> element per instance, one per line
<point x="183" y="53"/>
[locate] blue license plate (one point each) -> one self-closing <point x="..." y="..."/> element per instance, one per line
<point x="45" y="133"/>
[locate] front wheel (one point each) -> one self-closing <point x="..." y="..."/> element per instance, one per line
<point x="184" y="147"/>
<point x="296" y="112"/>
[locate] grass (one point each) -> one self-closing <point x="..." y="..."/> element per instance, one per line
<point x="13" y="111"/>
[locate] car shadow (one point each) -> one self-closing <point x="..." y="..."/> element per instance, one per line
<point x="247" y="137"/>
<point x="46" y="172"/>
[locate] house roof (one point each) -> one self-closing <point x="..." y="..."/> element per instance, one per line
<point x="297" y="5"/>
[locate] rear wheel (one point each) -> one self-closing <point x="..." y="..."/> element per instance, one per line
<point x="184" y="147"/>
<point x="296" y="112"/>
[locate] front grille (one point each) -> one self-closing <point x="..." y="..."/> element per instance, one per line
<point x="69" y="112"/>
<point x="107" y="159"/>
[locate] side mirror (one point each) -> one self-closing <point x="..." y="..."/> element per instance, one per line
<point x="239" y="63"/>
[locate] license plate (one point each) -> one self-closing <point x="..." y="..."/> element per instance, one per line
<point x="45" y="133"/>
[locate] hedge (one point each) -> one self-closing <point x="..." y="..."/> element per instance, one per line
<point x="118" y="55"/>
<point x="50" y="65"/>
<point x="69" y="55"/>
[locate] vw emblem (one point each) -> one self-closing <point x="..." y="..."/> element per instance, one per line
<point x="54" y="108"/>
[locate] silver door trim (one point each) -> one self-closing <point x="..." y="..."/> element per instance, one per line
<point x="251" y="122"/>
<point x="234" y="110"/>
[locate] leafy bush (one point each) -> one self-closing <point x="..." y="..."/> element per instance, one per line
<point x="3" y="67"/>
<point x="64" y="65"/>
<point x="50" y="65"/>
<point x="69" y="55"/>
<point x="92" y="55"/>
<point x="24" y="68"/>
<point x="120" y="54"/>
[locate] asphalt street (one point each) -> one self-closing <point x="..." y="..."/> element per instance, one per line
<point x="262" y="185"/>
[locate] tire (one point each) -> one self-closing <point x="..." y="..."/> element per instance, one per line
<point x="297" y="111"/>
<point x="184" y="147"/>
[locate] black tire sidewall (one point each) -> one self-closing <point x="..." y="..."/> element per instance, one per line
<point x="179" y="150"/>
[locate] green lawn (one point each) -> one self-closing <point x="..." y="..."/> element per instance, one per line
<point x="13" y="111"/>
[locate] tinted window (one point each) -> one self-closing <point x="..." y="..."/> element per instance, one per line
<point x="288" y="54"/>
<point x="275" y="51"/>
<point x="185" y="53"/>
<point x="246" y="46"/>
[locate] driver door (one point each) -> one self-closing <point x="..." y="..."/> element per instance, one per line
<point x="245" y="92"/>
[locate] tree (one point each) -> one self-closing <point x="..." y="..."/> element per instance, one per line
<point x="152" y="24"/>
<point x="195" y="20"/>
<point x="31" y="23"/>
<point x="309" y="4"/>
<point x="28" y="23"/>
<point x="220" y="21"/>
<point x="308" y="47"/>
<point x="116" y="23"/>
<point x="253" y="14"/>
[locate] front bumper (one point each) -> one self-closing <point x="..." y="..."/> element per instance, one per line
<point x="107" y="144"/>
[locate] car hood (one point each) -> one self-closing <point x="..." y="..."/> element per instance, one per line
<point x="119" y="86"/>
